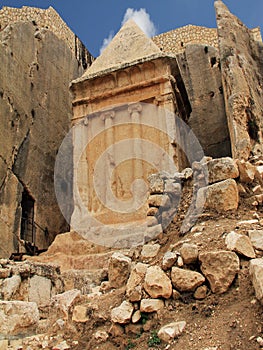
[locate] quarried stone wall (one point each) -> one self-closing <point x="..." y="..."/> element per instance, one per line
<point x="176" y="40"/>
<point x="50" y="20"/>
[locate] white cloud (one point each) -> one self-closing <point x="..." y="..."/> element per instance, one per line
<point x="106" y="41"/>
<point x="143" y="20"/>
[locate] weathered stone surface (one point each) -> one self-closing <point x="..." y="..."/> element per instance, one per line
<point x="247" y="171"/>
<point x="39" y="290"/>
<point x="5" y="273"/>
<point x="172" y="330"/>
<point x="169" y="259"/>
<point x="256" y="237"/>
<point x="152" y="211"/>
<point x="134" y="284"/>
<point x="159" y="200"/>
<point x="18" y="317"/>
<point x="119" y="270"/>
<point x="186" y="280"/>
<point x="136" y="316"/>
<point x="123" y="313"/>
<point x="222" y="169"/>
<point x="172" y="187"/>
<point x="156" y="283"/>
<point x="10" y="286"/>
<point x="101" y="336"/>
<point x="65" y="301"/>
<point x="200" y="293"/>
<point x="189" y="253"/>
<point x="204" y="86"/>
<point x="71" y="251"/>
<point x="156" y="184"/>
<point x="30" y="134"/>
<point x="3" y="344"/>
<point x="220" y="268"/>
<point x="80" y="314"/>
<point x="256" y="272"/>
<point x="150" y="251"/>
<point x="151" y="305"/>
<point x="241" y="68"/>
<point x="130" y="44"/>
<point x="240" y="244"/>
<point x="221" y="196"/>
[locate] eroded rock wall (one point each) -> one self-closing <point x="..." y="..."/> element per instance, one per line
<point x="35" y="111"/>
<point x="200" y="70"/>
<point x="241" y="63"/>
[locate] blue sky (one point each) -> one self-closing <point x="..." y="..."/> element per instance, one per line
<point x="93" y="21"/>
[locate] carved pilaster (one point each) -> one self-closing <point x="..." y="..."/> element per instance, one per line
<point x="107" y="115"/>
<point x="135" y="112"/>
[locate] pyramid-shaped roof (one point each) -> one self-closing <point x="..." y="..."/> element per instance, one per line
<point x="130" y="44"/>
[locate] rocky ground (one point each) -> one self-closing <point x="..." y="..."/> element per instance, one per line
<point x="199" y="290"/>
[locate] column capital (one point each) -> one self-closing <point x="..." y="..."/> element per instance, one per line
<point x="107" y="114"/>
<point x="135" y="108"/>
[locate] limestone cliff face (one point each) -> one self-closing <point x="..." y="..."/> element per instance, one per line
<point x="35" y="111"/>
<point x="200" y="70"/>
<point x="241" y="62"/>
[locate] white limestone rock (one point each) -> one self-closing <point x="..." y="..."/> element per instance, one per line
<point x="18" y="317"/>
<point x="240" y="244"/>
<point x="150" y="251"/>
<point x="189" y="253"/>
<point x="135" y="281"/>
<point x="256" y="273"/>
<point x="123" y="313"/>
<point x="256" y="237"/>
<point x="172" y="330"/>
<point x="222" y="169"/>
<point x="119" y="270"/>
<point x="157" y="284"/>
<point x="169" y="259"/>
<point x="220" y="268"/>
<point x="10" y="286"/>
<point x="151" y="305"/>
<point x="39" y="290"/>
<point x="186" y="280"/>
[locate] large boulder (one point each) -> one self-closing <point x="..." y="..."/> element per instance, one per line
<point x="240" y="244"/>
<point x="18" y="317"/>
<point x="186" y="280"/>
<point x="247" y="171"/>
<point x="151" y="305"/>
<point x="221" y="196"/>
<point x="119" y="270"/>
<point x="222" y="169"/>
<point x="220" y="268"/>
<point x="135" y="281"/>
<point x="157" y="284"/>
<point x="189" y="253"/>
<point x="39" y="290"/>
<point x="123" y="313"/>
<point x="10" y="286"/>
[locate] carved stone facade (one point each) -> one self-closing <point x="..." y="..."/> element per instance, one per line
<point x="121" y="110"/>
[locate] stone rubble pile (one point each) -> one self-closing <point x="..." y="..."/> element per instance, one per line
<point x="38" y="299"/>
